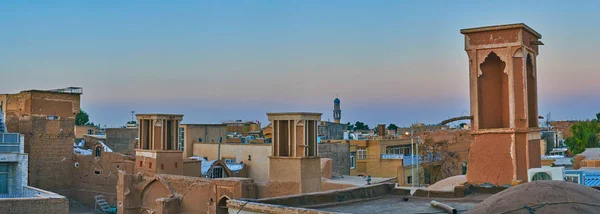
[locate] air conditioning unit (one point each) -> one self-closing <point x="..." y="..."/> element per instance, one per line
<point x="546" y="173"/>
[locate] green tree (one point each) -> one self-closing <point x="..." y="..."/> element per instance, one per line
<point x="82" y="118"/>
<point x="360" y="126"/>
<point x="350" y="127"/>
<point x="584" y="135"/>
<point x="392" y="127"/>
<point x="598" y="116"/>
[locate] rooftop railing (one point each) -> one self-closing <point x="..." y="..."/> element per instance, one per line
<point x="391" y="156"/>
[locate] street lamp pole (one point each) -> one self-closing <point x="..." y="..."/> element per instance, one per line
<point x="418" y="174"/>
<point x="412" y="159"/>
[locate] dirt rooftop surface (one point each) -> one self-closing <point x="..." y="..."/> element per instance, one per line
<point x="396" y="204"/>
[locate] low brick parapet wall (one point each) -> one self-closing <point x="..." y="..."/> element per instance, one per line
<point x="35" y="201"/>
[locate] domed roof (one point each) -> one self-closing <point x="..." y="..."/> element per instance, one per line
<point x="543" y="197"/>
<point x="336" y="101"/>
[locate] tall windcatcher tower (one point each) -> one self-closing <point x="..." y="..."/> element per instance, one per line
<point x="504" y="104"/>
<point x="337" y="112"/>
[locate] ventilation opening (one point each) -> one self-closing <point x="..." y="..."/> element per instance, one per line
<point x="492" y="86"/>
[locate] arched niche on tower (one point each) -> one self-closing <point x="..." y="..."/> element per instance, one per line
<point x="531" y="90"/>
<point x="492" y="88"/>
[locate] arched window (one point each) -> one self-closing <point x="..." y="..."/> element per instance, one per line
<point x="98" y="152"/>
<point x="222" y="205"/>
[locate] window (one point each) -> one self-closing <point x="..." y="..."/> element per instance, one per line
<point x="181" y="138"/>
<point x="217" y="172"/>
<point x="3" y="179"/>
<point x="90" y="131"/>
<point x="409" y="179"/>
<point x="352" y="160"/>
<point x="362" y="153"/>
<point x="98" y="151"/>
<point x="398" y="150"/>
<point x="199" y="140"/>
<point x="229" y="160"/>
<point x="572" y="178"/>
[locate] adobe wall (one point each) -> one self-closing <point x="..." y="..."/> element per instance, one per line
<point x="491" y="151"/>
<point x="48" y="141"/>
<point x="34" y="205"/>
<point x="326" y="168"/>
<point x="244" y="207"/>
<point x="121" y="140"/>
<point x="329" y="197"/>
<point x="83" y="130"/>
<point x="339" y="153"/>
<point x="91" y="141"/>
<point x="192" y="168"/>
<point x="327" y="186"/>
<point x="150" y="162"/>
<point x="183" y="194"/>
<point x="208" y="132"/>
<point x="255" y="156"/>
<point x="98" y="176"/>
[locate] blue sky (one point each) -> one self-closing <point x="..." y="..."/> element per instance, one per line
<point x="389" y="61"/>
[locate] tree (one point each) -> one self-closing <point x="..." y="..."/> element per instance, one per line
<point x="392" y="127"/>
<point x="598" y="116"/>
<point x="82" y="118"/>
<point x="360" y="126"/>
<point x="350" y="126"/>
<point x="437" y="161"/>
<point x="584" y="135"/>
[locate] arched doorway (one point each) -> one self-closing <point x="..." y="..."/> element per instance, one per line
<point x="222" y="206"/>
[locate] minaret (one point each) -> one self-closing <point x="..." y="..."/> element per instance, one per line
<point x="337" y="113"/>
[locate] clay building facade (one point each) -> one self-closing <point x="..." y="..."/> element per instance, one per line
<point x="255" y="156"/>
<point x="85" y="130"/>
<point x="339" y="153"/>
<point x="503" y="92"/>
<point x="191" y="134"/>
<point x="241" y="127"/>
<point x="47" y="120"/>
<point x="379" y="158"/>
<point x="97" y="174"/>
<point x="121" y="140"/>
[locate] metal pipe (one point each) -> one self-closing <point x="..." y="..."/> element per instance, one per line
<point x="443" y="206"/>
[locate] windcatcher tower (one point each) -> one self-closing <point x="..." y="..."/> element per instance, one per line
<point x="293" y="162"/>
<point x="158" y="148"/>
<point x="504" y="106"/>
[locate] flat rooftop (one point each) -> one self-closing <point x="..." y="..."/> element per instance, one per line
<point x="396" y="204"/>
